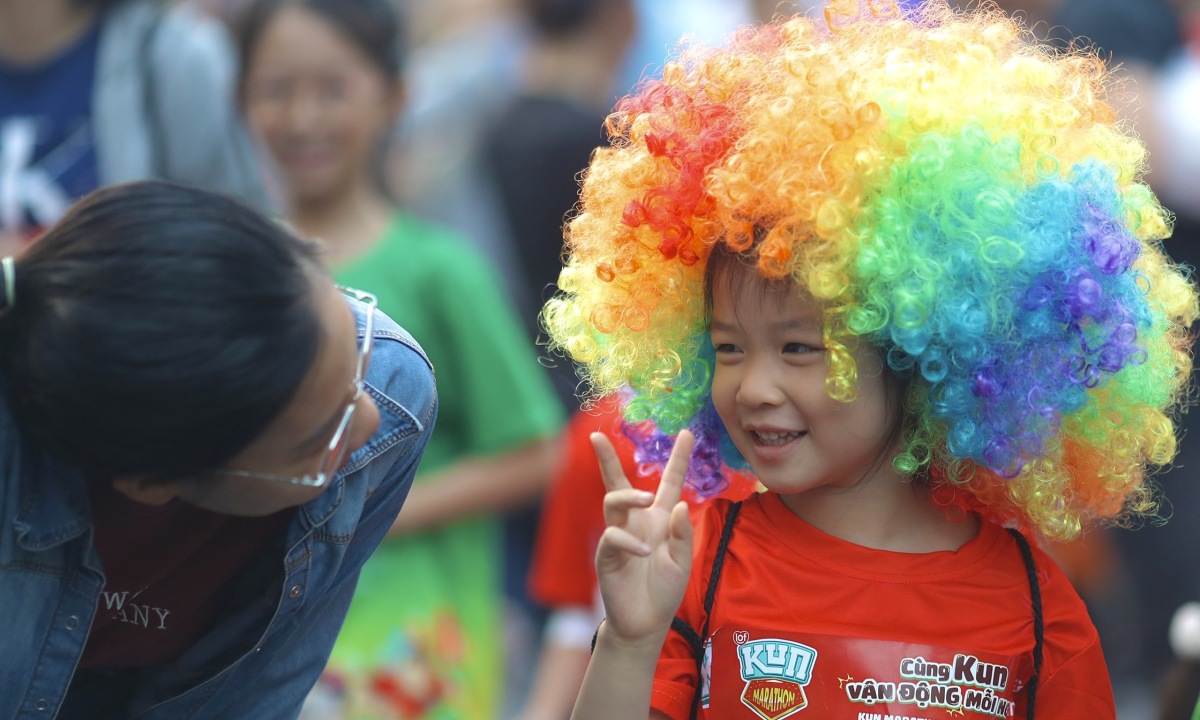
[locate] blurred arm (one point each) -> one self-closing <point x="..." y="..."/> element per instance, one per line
<point x="479" y="485"/>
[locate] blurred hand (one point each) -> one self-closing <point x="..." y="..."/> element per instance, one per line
<point x="645" y="554"/>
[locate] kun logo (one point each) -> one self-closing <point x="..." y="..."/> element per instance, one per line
<point x="775" y="672"/>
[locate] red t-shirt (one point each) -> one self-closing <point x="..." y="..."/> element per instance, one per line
<point x="165" y="572"/>
<point x="809" y="626"/>
<point x="563" y="572"/>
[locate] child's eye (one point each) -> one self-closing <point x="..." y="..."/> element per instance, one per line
<point x="725" y="347"/>
<point x="270" y="90"/>
<point x="799" y="348"/>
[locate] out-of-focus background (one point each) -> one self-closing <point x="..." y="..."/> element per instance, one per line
<point x="479" y="132"/>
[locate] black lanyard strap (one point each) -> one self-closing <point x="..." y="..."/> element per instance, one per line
<point x="1035" y="594"/>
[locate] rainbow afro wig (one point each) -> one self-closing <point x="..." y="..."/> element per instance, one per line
<point x="949" y="190"/>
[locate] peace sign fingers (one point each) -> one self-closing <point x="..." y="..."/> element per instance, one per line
<point x="670" y="489"/>
<point x="643" y="558"/>
<point x="610" y="464"/>
<point x="621" y="497"/>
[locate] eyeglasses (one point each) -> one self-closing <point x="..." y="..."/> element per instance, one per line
<point x="339" y="443"/>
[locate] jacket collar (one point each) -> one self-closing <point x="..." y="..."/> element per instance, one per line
<point x="52" y="499"/>
<point x="395" y="424"/>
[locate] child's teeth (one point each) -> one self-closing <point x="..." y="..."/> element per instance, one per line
<point x="776" y="438"/>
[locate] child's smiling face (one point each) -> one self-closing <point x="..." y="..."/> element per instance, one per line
<point x="769" y="389"/>
<point x="318" y="102"/>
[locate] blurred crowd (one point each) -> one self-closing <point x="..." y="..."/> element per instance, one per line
<point x="435" y="147"/>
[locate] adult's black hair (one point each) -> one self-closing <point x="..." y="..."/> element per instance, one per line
<point x="157" y="330"/>
<point x="374" y="26"/>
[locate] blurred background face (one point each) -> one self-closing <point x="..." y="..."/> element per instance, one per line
<point x="318" y="102"/>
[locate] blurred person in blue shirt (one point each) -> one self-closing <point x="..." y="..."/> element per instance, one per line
<point x="96" y="92"/>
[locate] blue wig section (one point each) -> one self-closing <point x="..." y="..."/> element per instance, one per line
<point x="1009" y="330"/>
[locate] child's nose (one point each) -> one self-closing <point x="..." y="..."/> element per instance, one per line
<point x="760" y="385"/>
<point x="302" y="112"/>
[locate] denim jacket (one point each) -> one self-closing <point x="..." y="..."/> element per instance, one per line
<point x="284" y="613"/>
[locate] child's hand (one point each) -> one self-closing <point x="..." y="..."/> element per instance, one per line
<point x="645" y="553"/>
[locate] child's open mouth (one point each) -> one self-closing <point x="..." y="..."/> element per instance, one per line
<point x="771" y="439"/>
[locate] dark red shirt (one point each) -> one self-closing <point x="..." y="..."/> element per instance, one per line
<point x="165" y="572"/>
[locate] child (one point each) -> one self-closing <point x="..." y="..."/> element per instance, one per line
<point x="899" y="264"/>
<point x="422" y="639"/>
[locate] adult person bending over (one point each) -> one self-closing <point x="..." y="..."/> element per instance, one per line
<point x="201" y="441"/>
